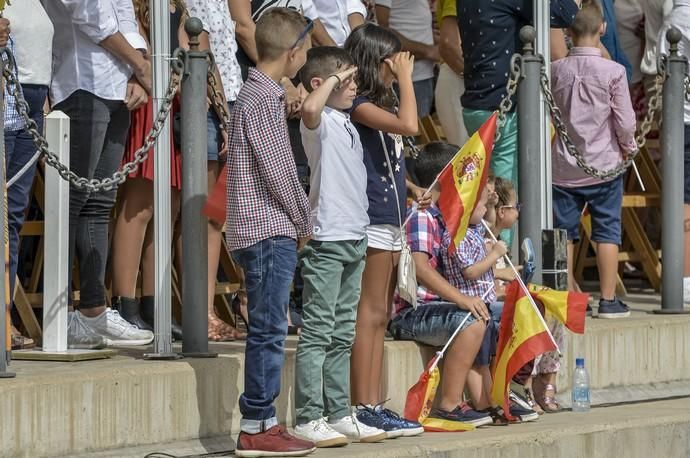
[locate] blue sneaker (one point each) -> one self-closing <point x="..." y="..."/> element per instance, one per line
<point x="408" y="427"/>
<point x="613" y="309"/>
<point x="370" y="417"/>
<point x="463" y="414"/>
<point x="520" y="408"/>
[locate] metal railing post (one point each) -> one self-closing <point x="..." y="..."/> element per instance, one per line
<point x="672" y="145"/>
<point x="5" y="335"/>
<point x="530" y="161"/>
<point x="194" y="190"/>
<point x="55" y="280"/>
<point x="162" y="219"/>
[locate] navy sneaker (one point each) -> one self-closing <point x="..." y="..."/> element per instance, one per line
<point x="409" y="428"/>
<point x="520" y="408"/>
<point x="613" y="309"/>
<point x="463" y="414"/>
<point x="371" y="417"/>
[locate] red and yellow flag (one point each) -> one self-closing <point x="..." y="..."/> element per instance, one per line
<point x="463" y="179"/>
<point x="521" y="337"/>
<point x="567" y="307"/>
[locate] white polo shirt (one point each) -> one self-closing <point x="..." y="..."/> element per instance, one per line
<point x="338" y="194"/>
<point x="79" y="62"/>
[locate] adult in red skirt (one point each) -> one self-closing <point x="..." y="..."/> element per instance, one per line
<point x="133" y="246"/>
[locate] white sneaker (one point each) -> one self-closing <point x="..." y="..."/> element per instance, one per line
<point x="357" y="431"/>
<point x="80" y="336"/>
<point x="320" y="433"/>
<point x="686" y="290"/>
<point x="116" y="330"/>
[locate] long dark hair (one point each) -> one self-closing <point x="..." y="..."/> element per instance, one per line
<point x="369" y="45"/>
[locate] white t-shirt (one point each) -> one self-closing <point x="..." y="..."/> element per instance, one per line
<point x="338" y="194"/>
<point x="306" y="7"/>
<point x="654" y="13"/>
<point x="32" y="32"/>
<point x="628" y="15"/>
<point x="680" y="19"/>
<point x="334" y="17"/>
<point x="215" y="16"/>
<point x="413" y="20"/>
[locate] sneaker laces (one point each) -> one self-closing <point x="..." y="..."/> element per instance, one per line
<point x="322" y="426"/>
<point x="355" y="421"/>
<point x="115" y="317"/>
<point x="379" y="408"/>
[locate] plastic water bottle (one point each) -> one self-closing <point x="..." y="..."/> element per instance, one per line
<point x="580" y="392"/>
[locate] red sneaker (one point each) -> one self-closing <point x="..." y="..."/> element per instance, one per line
<point x="274" y="442"/>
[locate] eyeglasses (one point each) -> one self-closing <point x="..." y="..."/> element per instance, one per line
<point x="303" y="35"/>
<point x="517" y="206"/>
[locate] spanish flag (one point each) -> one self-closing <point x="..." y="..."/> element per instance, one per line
<point x="521" y="337"/>
<point x="463" y="179"/>
<point x="569" y="308"/>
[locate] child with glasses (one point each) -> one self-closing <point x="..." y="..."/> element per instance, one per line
<point x="268" y="223"/>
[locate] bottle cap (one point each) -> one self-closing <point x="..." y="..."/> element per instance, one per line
<point x="580" y="362"/>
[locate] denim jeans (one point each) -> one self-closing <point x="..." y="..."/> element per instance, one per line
<point x="424" y="95"/>
<point x="19" y="148"/>
<point x="431" y="324"/>
<point x="97" y="142"/>
<point x="269" y="266"/>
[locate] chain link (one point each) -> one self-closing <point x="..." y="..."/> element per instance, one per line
<point x="216" y="97"/>
<point x="561" y="129"/>
<point x="511" y="89"/>
<point x="63" y="170"/>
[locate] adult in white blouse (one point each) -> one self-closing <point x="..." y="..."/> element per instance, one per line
<point x="340" y="17"/>
<point x="100" y="71"/>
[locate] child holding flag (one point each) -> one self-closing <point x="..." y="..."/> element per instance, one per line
<point x="441" y="307"/>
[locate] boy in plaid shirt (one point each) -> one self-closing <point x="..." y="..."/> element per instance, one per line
<point x="268" y="222"/>
<point x="441" y="306"/>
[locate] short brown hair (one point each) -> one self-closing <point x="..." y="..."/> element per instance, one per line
<point x="588" y="20"/>
<point x="323" y="61"/>
<point x="504" y="189"/>
<point x="276" y="30"/>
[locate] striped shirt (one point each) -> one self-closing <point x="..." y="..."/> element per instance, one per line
<point x="264" y="196"/>
<point x="471" y="251"/>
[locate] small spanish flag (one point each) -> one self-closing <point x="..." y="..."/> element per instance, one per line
<point x="463" y="179"/>
<point x="567" y="307"/>
<point x="521" y="337"/>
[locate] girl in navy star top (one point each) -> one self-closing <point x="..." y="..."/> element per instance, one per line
<point x="379" y="61"/>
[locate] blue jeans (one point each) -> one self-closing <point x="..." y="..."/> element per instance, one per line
<point x="19" y="148"/>
<point x="424" y="95"/>
<point x="429" y="324"/>
<point x="269" y="266"/>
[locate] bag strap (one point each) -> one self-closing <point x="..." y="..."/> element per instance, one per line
<point x="392" y="175"/>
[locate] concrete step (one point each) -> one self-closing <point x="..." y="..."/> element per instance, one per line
<point x="67" y="408"/>
<point x="660" y="428"/>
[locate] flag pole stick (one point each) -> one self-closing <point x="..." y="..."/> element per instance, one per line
<point x="524" y="289"/>
<point x="439" y="354"/>
<point x="639" y="178"/>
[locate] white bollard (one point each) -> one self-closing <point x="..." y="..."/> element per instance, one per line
<point x="55" y="278"/>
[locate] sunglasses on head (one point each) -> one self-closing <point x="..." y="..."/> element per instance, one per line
<point x="303" y="35"/>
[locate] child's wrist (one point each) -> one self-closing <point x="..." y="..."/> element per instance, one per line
<point x="337" y="78"/>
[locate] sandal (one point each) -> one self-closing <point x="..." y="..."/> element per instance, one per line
<point x="529" y="397"/>
<point x="220" y="331"/>
<point x="546" y="396"/>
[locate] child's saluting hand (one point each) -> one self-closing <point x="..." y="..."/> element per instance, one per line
<point x="401" y="64"/>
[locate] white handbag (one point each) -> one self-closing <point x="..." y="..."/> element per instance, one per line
<point x="407" y="272"/>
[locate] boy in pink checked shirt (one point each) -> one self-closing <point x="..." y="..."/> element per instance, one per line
<point x="592" y="92"/>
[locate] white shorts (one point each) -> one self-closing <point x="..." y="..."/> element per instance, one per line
<point x="384" y="237"/>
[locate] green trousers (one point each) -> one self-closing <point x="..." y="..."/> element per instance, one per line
<point x="504" y="158"/>
<point x="332" y="274"/>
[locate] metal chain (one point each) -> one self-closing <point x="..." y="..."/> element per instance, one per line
<point x="63" y="170"/>
<point x="559" y="124"/>
<point x="216" y="96"/>
<point x="511" y="89"/>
